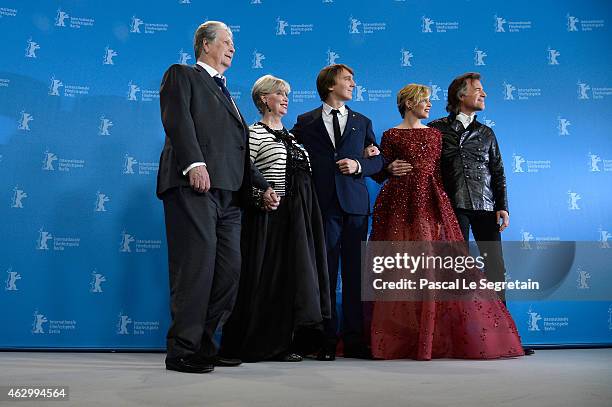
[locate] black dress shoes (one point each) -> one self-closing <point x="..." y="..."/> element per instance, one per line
<point x="528" y="351"/>
<point x="225" y="362"/>
<point x="189" y="364"/>
<point x="326" y="355"/>
<point x="289" y="357"/>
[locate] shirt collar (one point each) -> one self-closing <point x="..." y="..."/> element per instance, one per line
<point x="327" y="109"/>
<point x="465" y="119"/>
<point x="211" y="71"/>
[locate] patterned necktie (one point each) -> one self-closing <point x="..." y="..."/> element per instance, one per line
<point x="336" y="124"/>
<point x="221" y="84"/>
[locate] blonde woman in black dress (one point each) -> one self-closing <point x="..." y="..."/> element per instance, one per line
<point x="284" y="286"/>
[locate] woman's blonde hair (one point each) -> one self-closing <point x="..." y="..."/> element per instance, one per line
<point x="411" y="94"/>
<point x="265" y="85"/>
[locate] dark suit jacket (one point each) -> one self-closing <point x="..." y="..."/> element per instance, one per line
<point x="350" y="190"/>
<point x="202" y="125"/>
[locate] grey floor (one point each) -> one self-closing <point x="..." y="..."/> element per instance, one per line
<point x="576" y="378"/>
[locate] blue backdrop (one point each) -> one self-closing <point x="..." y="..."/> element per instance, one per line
<point x="83" y="249"/>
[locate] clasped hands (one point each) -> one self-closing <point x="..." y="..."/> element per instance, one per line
<point x="199" y="180"/>
<point x="270" y="200"/>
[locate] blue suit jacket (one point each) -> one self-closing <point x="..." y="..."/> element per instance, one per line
<point x="350" y="190"/>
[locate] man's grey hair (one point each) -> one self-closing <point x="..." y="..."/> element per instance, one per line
<point x="208" y="32"/>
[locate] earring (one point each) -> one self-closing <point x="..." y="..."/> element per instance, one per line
<point x="267" y="107"/>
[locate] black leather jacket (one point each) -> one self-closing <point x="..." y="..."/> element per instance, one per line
<point x="472" y="167"/>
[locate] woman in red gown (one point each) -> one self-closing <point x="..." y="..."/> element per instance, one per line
<point x="414" y="207"/>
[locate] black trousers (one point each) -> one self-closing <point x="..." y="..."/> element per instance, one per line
<point x="343" y="236"/>
<point x="203" y="233"/>
<point x="488" y="238"/>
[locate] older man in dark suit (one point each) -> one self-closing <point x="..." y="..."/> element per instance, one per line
<point x="204" y="174"/>
<point x="335" y="137"/>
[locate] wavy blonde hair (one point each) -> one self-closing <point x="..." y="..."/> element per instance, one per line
<point x="411" y="94"/>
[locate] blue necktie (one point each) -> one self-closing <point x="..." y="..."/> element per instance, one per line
<point x="223" y="88"/>
<point x="221" y="84"/>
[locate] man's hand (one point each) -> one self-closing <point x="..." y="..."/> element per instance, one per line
<point x="347" y="166"/>
<point x="399" y="168"/>
<point x="270" y="200"/>
<point x="370" y="151"/>
<point x="505" y="217"/>
<point x="199" y="179"/>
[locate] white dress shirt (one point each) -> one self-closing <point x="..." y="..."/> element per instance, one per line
<point x="328" y="118"/>
<point x="465" y="119"/>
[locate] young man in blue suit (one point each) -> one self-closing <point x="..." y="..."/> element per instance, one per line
<point x="335" y="138"/>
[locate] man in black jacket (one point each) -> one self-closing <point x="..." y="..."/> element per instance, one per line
<point x="473" y="171"/>
<point x="204" y="174"/>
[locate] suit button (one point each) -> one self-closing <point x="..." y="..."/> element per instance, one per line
<point x="335" y="155"/>
<point x="465" y="166"/>
<point x="467" y="176"/>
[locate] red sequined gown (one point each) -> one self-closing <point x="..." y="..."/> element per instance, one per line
<point x="415" y="207"/>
